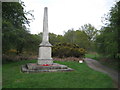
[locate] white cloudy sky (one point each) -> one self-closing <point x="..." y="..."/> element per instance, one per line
<point x="67" y="14"/>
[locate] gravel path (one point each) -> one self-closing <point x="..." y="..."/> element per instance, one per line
<point x="99" y="67"/>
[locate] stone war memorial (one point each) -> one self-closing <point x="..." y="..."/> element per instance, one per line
<point x="45" y="61"/>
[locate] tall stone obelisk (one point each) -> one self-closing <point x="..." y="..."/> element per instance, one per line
<point x="45" y="46"/>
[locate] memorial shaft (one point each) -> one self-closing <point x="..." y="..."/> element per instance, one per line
<point x="45" y="25"/>
<point x="45" y="38"/>
<point x="45" y="46"/>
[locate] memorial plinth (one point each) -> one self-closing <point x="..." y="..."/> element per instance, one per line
<point x="45" y="61"/>
<point x="35" y="68"/>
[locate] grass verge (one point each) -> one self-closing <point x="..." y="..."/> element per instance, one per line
<point x="93" y="56"/>
<point x="82" y="77"/>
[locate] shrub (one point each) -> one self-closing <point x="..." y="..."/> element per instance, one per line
<point x="67" y="50"/>
<point x="14" y="58"/>
<point x="11" y="52"/>
<point x="67" y="59"/>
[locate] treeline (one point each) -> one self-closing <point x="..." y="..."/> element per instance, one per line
<point x="21" y="42"/>
<point x="17" y="40"/>
<point x="80" y="37"/>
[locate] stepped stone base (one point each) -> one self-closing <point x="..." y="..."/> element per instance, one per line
<point x="34" y="68"/>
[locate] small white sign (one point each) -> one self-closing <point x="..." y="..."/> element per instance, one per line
<point x="80" y="61"/>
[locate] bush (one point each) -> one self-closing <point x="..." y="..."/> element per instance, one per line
<point x="67" y="50"/>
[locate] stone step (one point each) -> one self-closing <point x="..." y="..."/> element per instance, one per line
<point x="34" y="68"/>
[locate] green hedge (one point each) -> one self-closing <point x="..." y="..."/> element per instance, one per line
<point x="67" y="50"/>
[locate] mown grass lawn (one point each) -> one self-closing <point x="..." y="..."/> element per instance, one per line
<point x="82" y="77"/>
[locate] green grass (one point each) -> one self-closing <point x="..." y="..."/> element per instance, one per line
<point x="82" y="77"/>
<point x="93" y="56"/>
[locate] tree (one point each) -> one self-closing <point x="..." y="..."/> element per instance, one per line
<point x="70" y="36"/>
<point x="13" y="25"/>
<point x="53" y="38"/>
<point x="7" y="37"/>
<point x="60" y="38"/>
<point x="14" y="13"/>
<point x="91" y="33"/>
<point x="90" y="30"/>
<point x="32" y="43"/>
<point x="77" y="37"/>
<point x="108" y="40"/>
<point x="115" y="25"/>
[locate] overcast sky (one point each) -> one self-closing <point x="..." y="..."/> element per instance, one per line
<point x="66" y="14"/>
